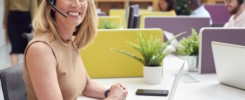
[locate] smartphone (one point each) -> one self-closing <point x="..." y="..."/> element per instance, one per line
<point x="150" y="92"/>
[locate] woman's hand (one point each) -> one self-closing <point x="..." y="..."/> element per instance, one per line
<point x="117" y="92"/>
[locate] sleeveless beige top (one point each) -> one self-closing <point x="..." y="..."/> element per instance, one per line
<point x="70" y="71"/>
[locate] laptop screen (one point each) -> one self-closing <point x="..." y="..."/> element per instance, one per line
<point x="229" y="63"/>
<point x="176" y="82"/>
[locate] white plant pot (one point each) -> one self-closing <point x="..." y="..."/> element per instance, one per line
<point x="153" y="75"/>
<point x="192" y="63"/>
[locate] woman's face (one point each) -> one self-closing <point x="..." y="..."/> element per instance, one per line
<point x="74" y="9"/>
<point x="163" y="5"/>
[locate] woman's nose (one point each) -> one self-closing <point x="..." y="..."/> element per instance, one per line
<point x="76" y="3"/>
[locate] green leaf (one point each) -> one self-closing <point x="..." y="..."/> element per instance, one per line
<point x="152" y="50"/>
<point x="189" y="45"/>
<point x="130" y="55"/>
<point x="105" y="24"/>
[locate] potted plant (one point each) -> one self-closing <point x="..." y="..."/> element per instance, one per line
<point x="153" y="51"/>
<point x="105" y="24"/>
<point x="189" y="48"/>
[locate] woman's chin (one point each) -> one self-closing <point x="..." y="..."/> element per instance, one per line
<point x="75" y="23"/>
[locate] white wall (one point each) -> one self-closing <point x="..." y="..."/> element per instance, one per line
<point x="2" y="42"/>
<point x="4" y="47"/>
<point x="2" y="55"/>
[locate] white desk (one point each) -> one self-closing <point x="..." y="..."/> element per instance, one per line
<point x="207" y="89"/>
<point x="171" y="67"/>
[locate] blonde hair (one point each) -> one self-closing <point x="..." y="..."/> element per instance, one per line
<point x="86" y="31"/>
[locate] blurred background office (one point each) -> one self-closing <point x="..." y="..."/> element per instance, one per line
<point x="17" y="22"/>
<point x="168" y="16"/>
<point x="166" y="5"/>
<point x="146" y="8"/>
<point x="237" y="10"/>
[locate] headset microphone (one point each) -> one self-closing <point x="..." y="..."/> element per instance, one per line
<point x="52" y="2"/>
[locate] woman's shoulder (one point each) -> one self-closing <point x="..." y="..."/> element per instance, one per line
<point x="44" y="37"/>
<point x="40" y="42"/>
<point x="39" y="47"/>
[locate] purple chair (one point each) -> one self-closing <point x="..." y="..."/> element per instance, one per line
<point x="177" y="24"/>
<point x="102" y="14"/>
<point x="207" y="35"/>
<point x="219" y="13"/>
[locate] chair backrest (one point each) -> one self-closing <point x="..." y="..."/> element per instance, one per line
<point x="101" y="62"/>
<point x="219" y="13"/>
<point x="13" y="85"/>
<point x="177" y="24"/>
<point x="207" y="35"/>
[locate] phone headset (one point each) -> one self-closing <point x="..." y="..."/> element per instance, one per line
<point x="52" y="3"/>
<point x="240" y="2"/>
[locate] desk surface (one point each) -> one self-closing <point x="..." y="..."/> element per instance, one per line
<point x="192" y="86"/>
<point x="207" y="88"/>
<point x="171" y="67"/>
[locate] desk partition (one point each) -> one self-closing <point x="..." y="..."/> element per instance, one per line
<point x="102" y="62"/>
<point x="207" y="35"/>
<point x="219" y="13"/>
<point x="143" y="15"/>
<point x="177" y="24"/>
<point x="122" y="13"/>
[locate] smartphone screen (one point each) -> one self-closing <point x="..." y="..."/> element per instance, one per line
<point x="150" y="92"/>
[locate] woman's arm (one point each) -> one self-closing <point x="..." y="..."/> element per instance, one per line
<point x="94" y="89"/>
<point x="41" y="65"/>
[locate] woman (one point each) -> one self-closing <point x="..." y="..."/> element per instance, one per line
<point x="53" y="69"/>
<point x="17" y="20"/>
<point x="166" y="5"/>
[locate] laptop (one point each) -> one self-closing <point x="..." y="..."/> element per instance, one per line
<point x="170" y="36"/>
<point x="174" y="43"/>
<point x="229" y="60"/>
<point x="176" y="82"/>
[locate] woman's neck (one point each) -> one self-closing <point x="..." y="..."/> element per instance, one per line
<point x="65" y="32"/>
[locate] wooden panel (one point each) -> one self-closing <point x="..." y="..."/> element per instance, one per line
<point x="106" y="5"/>
<point x="213" y="1"/>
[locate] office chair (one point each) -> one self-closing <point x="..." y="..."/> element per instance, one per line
<point x="28" y="36"/>
<point x="13" y="85"/>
